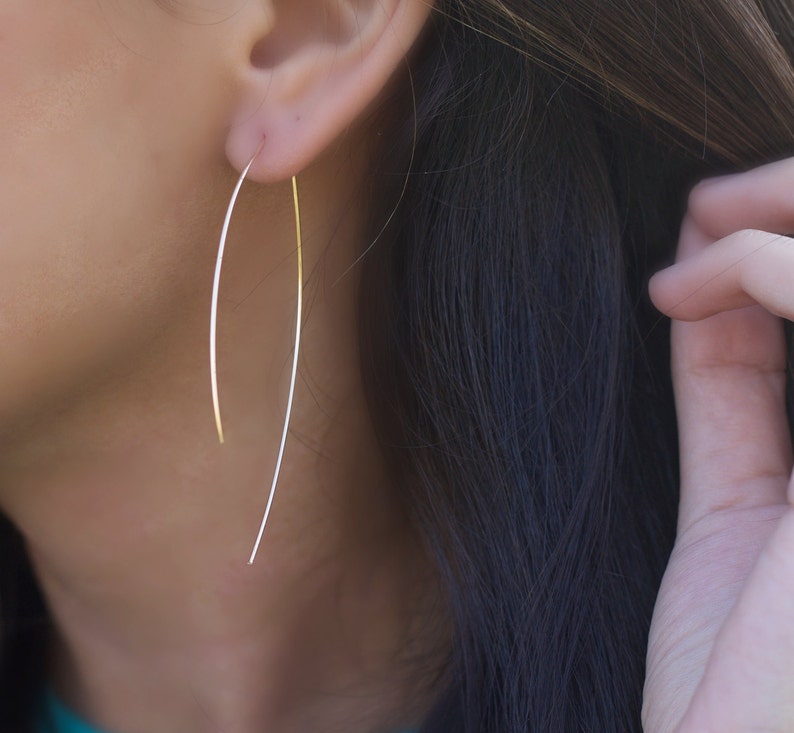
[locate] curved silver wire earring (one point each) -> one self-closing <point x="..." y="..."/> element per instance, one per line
<point x="296" y="349"/>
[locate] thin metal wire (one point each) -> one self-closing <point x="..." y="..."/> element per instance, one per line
<point x="293" y="376"/>
<point x="216" y="288"/>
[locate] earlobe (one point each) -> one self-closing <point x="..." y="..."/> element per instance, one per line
<point x="320" y="64"/>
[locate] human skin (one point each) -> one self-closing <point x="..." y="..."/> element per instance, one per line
<point x="124" y="128"/>
<point x="722" y="643"/>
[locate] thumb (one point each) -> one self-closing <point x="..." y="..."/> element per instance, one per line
<point x="729" y="380"/>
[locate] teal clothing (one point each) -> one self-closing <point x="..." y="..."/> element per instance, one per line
<point x="55" y="717"/>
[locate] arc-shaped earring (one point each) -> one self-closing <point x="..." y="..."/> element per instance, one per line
<point x="294" y="373"/>
<point x="296" y="349"/>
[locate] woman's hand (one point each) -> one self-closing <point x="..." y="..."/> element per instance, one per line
<point x="721" y="650"/>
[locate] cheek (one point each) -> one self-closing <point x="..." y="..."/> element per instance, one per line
<point x="104" y="148"/>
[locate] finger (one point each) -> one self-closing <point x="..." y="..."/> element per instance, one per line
<point x="762" y="198"/>
<point x="729" y="380"/>
<point x="744" y="268"/>
<point x="748" y="683"/>
<point x="734" y="442"/>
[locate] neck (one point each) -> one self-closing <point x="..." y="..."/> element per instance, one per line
<point x="139" y="525"/>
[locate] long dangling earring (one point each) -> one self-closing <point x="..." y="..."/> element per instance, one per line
<point x="296" y="349"/>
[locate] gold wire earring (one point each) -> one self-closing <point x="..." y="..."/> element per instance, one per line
<point x="296" y="349"/>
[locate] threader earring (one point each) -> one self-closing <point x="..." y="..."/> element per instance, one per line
<point x="296" y="348"/>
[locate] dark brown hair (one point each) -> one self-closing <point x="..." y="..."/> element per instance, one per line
<point x="519" y="376"/>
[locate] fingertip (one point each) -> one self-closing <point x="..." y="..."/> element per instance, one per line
<point x="692" y="240"/>
<point x="712" y="182"/>
<point x="658" y="286"/>
<point x="756" y="199"/>
<point x="705" y="203"/>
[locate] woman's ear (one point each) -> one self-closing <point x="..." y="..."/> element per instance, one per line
<point x="312" y="69"/>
